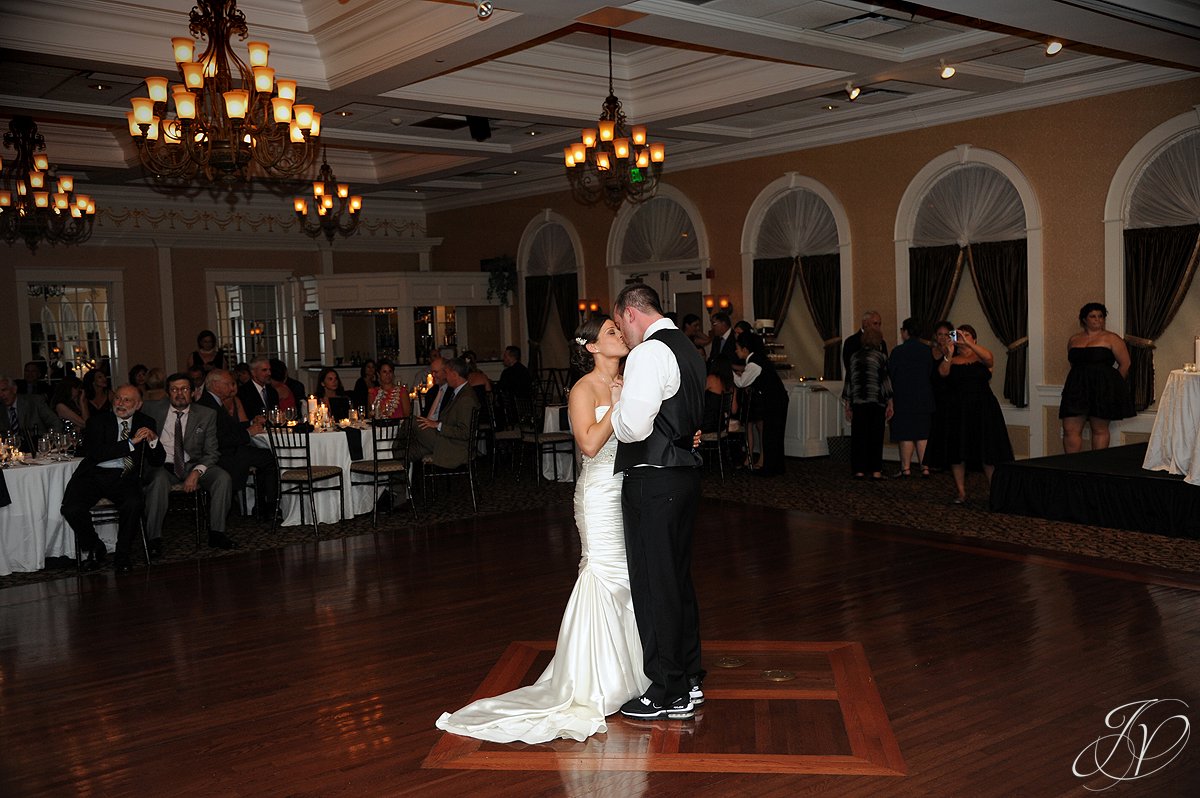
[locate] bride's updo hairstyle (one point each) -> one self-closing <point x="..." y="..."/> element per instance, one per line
<point x="586" y="333"/>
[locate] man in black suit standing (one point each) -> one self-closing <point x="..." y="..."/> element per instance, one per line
<point x="238" y="452"/>
<point x="258" y="396"/>
<point x="189" y="441"/>
<point x="515" y="380"/>
<point x="120" y="447"/>
<point x="723" y="343"/>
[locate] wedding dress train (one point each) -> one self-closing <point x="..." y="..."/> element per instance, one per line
<point x="597" y="663"/>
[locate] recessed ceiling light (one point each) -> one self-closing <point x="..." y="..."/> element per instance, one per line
<point x="100" y="86"/>
<point x="343" y="113"/>
<point x="533" y="132"/>
<point x="945" y="70"/>
<point x="829" y="107"/>
<point x="1053" y="47"/>
<point x="515" y="172"/>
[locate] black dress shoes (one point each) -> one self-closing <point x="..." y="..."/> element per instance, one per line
<point x="217" y="540"/>
<point x="156" y="547"/>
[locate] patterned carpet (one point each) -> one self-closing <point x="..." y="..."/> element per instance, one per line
<point x="816" y="486"/>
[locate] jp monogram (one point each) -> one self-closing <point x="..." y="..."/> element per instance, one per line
<point x="1146" y="738"/>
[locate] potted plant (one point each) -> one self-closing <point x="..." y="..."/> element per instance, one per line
<point x="502" y="277"/>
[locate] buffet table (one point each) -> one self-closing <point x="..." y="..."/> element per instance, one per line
<point x="1175" y="441"/>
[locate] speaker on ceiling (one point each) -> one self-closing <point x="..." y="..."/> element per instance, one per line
<point x="481" y="129"/>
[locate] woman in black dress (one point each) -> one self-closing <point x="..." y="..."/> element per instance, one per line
<point x="1095" y="390"/>
<point x="206" y="355"/>
<point x="975" y="435"/>
<point x="768" y="400"/>
<point x="911" y="367"/>
<point x="867" y="396"/>
<point x="368" y="380"/>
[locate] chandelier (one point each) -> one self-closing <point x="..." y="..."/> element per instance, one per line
<point x="227" y="116"/>
<point x="343" y="221"/>
<point x="612" y="163"/>
<point x="29" y="208"/>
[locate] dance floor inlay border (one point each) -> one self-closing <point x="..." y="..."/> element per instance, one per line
<point x="771" y="707"/>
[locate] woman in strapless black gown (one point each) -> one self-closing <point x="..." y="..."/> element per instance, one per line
<point x="973" y="432"/>
<point x="1095" y="390"/>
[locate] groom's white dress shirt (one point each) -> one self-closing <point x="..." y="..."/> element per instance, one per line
<point x="651" y="377"/>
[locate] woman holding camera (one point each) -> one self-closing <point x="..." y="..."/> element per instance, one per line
<point x="972" y="424"/>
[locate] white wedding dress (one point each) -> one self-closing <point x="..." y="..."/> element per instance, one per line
<point x="597" y="663"/>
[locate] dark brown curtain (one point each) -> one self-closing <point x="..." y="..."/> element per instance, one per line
<point x="820" y="279"/>
<point x="933" y="276"/>
<point x="1001" y="281"/>
<point x="1159" y="265"/>
<point x="774" y="281"/>
<point x="537" y="312"/>
<point x="564" y="288"/>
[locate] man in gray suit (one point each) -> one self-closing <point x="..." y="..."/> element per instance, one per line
<point x="448" y="438"/>
<point x="188" y="433"/>
<point x="22" y="413"/>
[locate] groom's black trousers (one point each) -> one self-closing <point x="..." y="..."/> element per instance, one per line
<point x="659" y="508"/>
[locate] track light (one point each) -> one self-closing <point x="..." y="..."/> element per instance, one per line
<point x="852" y="91"/>
<point x="1053" y="47"/>
<point x="947" y="71"/>
<point x="483" y="8"/>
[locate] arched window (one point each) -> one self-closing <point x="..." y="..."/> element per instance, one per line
<point x="798" y="243"/>
<point x="548" y="260"/>
<point x="1162" y="246"/>
<point x="660" y="243"/>
<point x="972" y="219"/>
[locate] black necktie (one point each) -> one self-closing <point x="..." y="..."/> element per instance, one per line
<point x="127" y="460"/>
<point x="13" y="424"/>
<point x="440" y="405"/>
<point x="178" y="460"/>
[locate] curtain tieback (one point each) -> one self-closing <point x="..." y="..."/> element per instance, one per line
<point x="1017" y="344"/>
<point x="1145" y="343"/>
<point x="832" y="341"/>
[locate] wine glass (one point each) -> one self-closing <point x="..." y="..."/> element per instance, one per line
<point x="289" y="414"/>
<point x="43" y="446"/>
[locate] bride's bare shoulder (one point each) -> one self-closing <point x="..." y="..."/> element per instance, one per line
<point x="587" y="392"/>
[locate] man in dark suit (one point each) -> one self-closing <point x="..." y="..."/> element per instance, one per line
<point x="35" y="383"/>
<point x="257" y="395"/>
<point x="120" y="447"/>
<point x="189" y="442"/>
<point x="854" y="343"/>
<point x="515" y="379"/>
<point x="723" y="343"/>
<point x="448" y="438"/>
<point x="238" y="452"/>
<point x="23" y="413"/>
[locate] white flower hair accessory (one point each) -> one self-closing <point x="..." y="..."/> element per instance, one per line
<point x="581" y="341"/>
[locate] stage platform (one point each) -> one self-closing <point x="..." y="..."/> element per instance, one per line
<point x="1103" y="488"/>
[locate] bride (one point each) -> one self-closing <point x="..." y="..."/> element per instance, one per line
<point x="597" y="663"/>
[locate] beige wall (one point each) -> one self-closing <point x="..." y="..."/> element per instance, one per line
<point x="1067" y="152"/>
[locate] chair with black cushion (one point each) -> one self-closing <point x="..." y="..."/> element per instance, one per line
<point x="719" y="439"/>
<point x="298" y="475"/>
<point x="548" y="443"/>
<point x="507" y="436"/>
<point x="105" y="512"/>
<point x="389" y="462"/>
<point x="431" y="472"/>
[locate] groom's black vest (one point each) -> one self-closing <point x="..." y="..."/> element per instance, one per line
<point x="670" y="441"/>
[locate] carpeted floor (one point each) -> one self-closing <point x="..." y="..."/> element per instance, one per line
<point x="816" y="486"/>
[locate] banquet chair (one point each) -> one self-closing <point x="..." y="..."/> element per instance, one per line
<point x="719" y="439"/>
<point x="431" y="472"/>
<point x="105" y="512"/>
<point x="508" y="436"/>
<point x="548" y="443"/>
<point x="389" y="461"/>
<point x="298" y="476"/>
<point x="197" y="502"/>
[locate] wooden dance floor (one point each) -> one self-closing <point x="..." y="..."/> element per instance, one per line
<point x="844" y="659"/>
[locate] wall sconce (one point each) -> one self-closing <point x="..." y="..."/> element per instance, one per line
<point x="710" y="302"/>
<point x="587" y="307"/>
<point x="714" y="303"/>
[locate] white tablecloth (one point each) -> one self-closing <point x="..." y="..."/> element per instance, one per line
<point x="551" y="423"/>
<point x="330" y="448"/>
<point x="32" y="527"/>
<point x="1175" y="442"/>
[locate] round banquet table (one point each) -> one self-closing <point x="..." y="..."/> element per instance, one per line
<point x="1175" y="441"/>
<point x="329" y="448"/>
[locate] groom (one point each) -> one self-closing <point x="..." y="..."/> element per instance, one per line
<point x="660" y="407"/>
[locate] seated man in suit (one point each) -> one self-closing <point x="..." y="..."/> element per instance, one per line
<point x="433" y="399"/>
<point x="448" y="438"/>
<point x="35" y="383"/>
<point x="120" y="448"/>
<point x="24" y="414"/>
<point x="190" y="450"/>
<point x="238" y="452"/>
<point x="258" y="395"/>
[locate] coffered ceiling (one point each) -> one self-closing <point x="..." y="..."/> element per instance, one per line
<point x="716" y="80"/>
